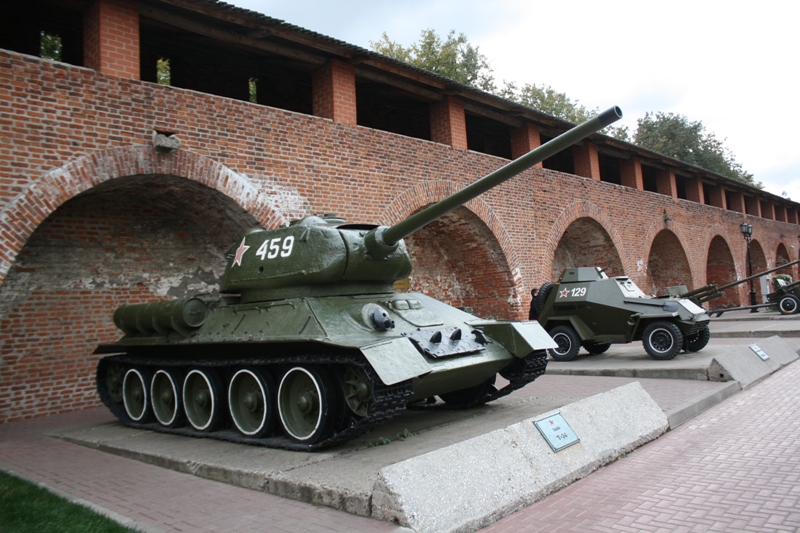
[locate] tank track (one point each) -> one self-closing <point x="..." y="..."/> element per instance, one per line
<point x="388" y="401"/>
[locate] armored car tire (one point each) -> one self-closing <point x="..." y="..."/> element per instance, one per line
<point x="789" y="304"/>
<point x="569" y="343"/>
<point x="662" y="340"/>
<point x="541" y="297"/>
<point x="697" y="341"/>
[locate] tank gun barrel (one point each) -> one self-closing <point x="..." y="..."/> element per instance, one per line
<point x="391" y="235"/>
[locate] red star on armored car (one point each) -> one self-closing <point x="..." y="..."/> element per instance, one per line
<point x="240" y="253"/>
<point x="563" y="293"/>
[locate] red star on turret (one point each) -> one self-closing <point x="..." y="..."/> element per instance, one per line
<point x="240" y="253"/>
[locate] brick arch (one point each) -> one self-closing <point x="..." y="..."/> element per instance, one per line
<point x="23" y="215"/>
<point x="426" y="193"/>
<point x="571" y="213"/>
<point x="682" y="237"/>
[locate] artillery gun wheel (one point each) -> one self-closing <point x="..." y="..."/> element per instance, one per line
<point x="165" y="398"/>
<point x="541" y="296"/>
<point x="569" y="343"/>
<point x="662" y="340"/>
<point x="596" y="348"/>
<point x="251" y="402"/>
<point x="698" y="341"/>
<point x="357" y="390"/>
<point x="202" y="399"/>
<point x="306" y="404"/>
<point x="134" y="394"/>
<point x="469" y="396"/>
<point x="789" y="304"/>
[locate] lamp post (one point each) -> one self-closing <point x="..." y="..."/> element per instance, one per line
<point x="747" y="232"/>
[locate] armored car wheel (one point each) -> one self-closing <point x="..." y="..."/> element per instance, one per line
<point x="596" y="348"/>
<point x="697" y="341"/>
<point x="165" y="398"/>
<point x="662" y="340"/>
<point x="251" y="397"/>
<point x="569" y="343"/>
<point x="541" y="296"/>
<point x="306" y="404"/>
<point x="202" y="399"/>
<point x="789" y="304"/>
<point x="134" y="394"/>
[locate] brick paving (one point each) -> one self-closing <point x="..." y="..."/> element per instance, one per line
<point x="735" y="467"/>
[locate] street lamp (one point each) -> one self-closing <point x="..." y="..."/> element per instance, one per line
<point x="747" y="232"/>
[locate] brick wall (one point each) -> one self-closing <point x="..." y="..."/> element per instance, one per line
<point x="66" y="130"/>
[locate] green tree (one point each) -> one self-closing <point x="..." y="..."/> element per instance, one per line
<point x="453" y="58"/>
<point x="676" y="136"/>
<point x="50" y="46"/>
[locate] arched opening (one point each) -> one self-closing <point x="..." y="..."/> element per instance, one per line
<point x="781" y="258"/>
<point x="586" y="243"/>
<point x="667" y="264"/>
<point x="721" y="270"/>
<point x="128" y="240"/>
<point x="458" y="260"/>
<point x="759" y="261"/>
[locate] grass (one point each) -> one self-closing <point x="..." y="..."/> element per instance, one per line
<point x="25" y="507"/>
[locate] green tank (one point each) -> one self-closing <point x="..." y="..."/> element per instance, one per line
<point x="588" y="309"/>
<point x="309" y="345"/>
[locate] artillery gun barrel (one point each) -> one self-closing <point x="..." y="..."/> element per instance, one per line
<point x="754" y="276"/>
<point x="393" y="234"/>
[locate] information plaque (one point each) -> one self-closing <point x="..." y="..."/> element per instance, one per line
<point x="759" y="352"/>
<point x="556" y="432"/>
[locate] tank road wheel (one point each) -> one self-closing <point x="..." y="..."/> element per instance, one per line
<point x="662" y="340"/>
<point x="305" y="404"/>
<point x="789" y="304"/>
<point x="697" y="341"/>
<point x="469" y="396"/>
<point x="569" y="343"/>
<point x="114" y="378"/>
<point x="165" y="398"/>
<point x="596" y="348"/>
<point x="202" y="399"/>
<point x="250" y="401"/>
<point x="357" y="390"/>
<point x="134" y="394"/>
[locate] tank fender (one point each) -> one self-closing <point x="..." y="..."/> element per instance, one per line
<point x="519" y="338"/>
<point x="396" y="360"/>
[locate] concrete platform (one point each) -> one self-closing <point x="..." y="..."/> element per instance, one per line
<point x="489" y="461"/>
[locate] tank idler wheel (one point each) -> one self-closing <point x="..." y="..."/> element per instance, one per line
<point x="789" y="304"/>
<point x="134" y="394"/>
<point x="569" y="343"/>
<point x="469" y="396"/>
<point x="596" y="348"/>
<point x="698" y="341"/>
<point x="306" y="404"/>
<point x="165" y="398"/>
<point x="251" y="400"/>
<point x="357" y="390"/>
<point x="662" y="340"/>
<point x="202" y="399"/>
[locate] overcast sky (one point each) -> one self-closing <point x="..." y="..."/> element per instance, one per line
<point x="731" y="65"/>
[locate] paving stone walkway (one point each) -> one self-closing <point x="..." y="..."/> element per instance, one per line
<point x="733" y="468"/>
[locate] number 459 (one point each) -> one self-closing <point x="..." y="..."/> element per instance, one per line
<point x="272" y="248"/>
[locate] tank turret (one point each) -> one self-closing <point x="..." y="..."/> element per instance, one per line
<point x="310" y="346"/>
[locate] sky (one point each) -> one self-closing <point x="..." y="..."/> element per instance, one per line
<point x="732" y="66"/>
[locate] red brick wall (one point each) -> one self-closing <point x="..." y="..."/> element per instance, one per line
<point x="65" y="130"/>
<point x="334" y="92"/>
<point x="111" y="38"/>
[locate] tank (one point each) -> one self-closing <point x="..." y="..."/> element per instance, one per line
<point x="308" y="345"/>
<point x="588" y="309"/>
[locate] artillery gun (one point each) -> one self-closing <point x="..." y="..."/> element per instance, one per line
<point x="309" y="345"/>
<point x="588" y="309"/>
<point x="785" y="297"/>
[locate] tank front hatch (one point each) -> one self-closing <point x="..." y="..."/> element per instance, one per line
<point x="310" y="258"/>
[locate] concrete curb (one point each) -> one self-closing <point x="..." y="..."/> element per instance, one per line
<point x="469" y="485"/>
<point x="691" y="409"/>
